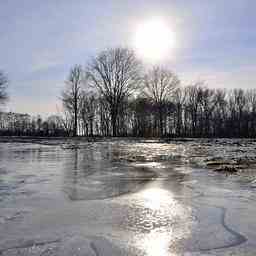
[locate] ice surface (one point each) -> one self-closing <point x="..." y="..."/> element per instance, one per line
<point x="127" y="197"/>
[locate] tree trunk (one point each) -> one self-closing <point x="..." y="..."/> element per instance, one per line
<point x="91" y="127"/>
<point x="75" y="121"/>
<point x="113" y="122"/>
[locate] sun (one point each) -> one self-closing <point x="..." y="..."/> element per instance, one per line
<point x="154" y="40"/>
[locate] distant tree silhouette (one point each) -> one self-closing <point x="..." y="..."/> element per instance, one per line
<point x="72" y="93"/>
<point x="3" y="87"/>
<point x="16" y="124"/>
<point x="115" y="73"/>
<point x="179" y="98"/>
<point x="88" y="106"/>
<point x="159" y="86"/>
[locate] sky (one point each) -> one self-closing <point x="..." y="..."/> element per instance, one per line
<point x="215" y="41"/>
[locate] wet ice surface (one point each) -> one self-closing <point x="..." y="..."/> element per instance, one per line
<point x="126" y="197"/>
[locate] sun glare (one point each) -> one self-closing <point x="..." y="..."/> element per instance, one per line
<point x="154" y="40"/>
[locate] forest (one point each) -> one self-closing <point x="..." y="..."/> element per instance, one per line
<point x="115" y="95"/>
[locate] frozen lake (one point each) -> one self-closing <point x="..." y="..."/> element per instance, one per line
<point x="127" y="197"/>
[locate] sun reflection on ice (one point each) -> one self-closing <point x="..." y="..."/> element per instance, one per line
<point x="165" y="217"/>
<point x="155" y="198"/>
<point x="157" y="244"/>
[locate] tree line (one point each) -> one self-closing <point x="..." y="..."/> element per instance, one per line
<point x="16" y="124"/>
<point x="114" y="95"/>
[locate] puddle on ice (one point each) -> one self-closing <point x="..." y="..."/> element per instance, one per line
<point x="127" y="197"/>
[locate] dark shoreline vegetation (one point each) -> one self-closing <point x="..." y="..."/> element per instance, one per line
<point x="113" y="96"/>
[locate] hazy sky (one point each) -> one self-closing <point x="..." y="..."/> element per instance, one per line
<point x="215" y="40"/>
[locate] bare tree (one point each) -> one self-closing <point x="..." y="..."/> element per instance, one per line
<point x="236" y="106"/>
<point x="115" y="73"/>
<point x="179" y="100"/>
<point x="88" y="108"/>
<point x="251" y="105"/>
<point x="160" y="85"/>
<point x="71" y="95"/>
<point x="3" y="87"/>
<point x="220" y="112"/>
<point x="208" y="105"/>
<point x="66" y="122"/>
<point x="192" y="105"/>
